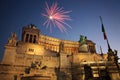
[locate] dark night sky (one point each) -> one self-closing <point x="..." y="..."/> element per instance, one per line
<point x="14" y="14"/>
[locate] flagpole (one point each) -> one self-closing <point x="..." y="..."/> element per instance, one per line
<point x="110" y="52"/>
<point x="109" y="49"/>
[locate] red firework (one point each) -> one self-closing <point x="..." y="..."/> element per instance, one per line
<point x="56" y="17"/>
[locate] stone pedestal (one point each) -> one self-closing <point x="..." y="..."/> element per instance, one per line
<point x="9" y="55"/>
<point x="63" y="60"/>
<point x="83" y="48"/>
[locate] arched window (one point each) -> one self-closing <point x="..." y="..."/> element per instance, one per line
<point x="30" y="40"/>
<point x="34" y="41"/>
<point x="27" y="37"/>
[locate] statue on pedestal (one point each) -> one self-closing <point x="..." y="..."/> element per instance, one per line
<point x="83" y="44"/>
<point x="82" y="39"/>
<point x="112" y="56"/>
<point x="35" y="66"/>
<point x="61" y="47"/>
<point x="116" y="59"/>
<point x="12" y="41"/>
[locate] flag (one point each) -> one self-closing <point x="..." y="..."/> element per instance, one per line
<point x="105" y="37"/>
<point x="104" y="34"/>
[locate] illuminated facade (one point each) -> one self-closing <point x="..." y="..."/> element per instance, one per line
<point x="31" y="35"/>
<point x="40" y="57"/>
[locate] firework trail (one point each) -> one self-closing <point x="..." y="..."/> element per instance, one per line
<point x="56" y="16"/>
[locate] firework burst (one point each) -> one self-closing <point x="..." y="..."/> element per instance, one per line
<point x="56" y="16"/>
